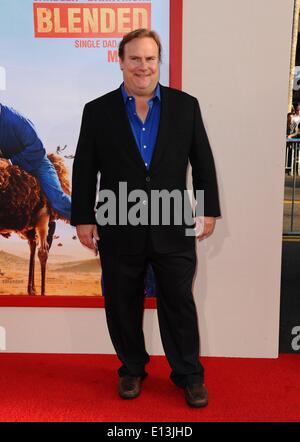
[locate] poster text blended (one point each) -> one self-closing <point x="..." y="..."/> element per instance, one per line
<point x="98" y="20"/>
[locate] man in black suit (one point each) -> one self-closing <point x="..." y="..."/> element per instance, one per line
<point x="141" y="136"/>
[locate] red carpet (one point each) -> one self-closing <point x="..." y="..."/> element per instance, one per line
<point x="76" y="388"/>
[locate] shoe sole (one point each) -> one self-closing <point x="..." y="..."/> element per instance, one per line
<point x="129" y="396"/>
<point x="197" y="405"/>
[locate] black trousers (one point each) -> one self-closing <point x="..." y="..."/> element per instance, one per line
<point x="123" y="277"/>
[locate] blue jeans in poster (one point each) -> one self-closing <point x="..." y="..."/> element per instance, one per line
<point x="50" y="185"/>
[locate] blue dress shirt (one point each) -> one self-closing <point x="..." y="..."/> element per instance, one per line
<point x="145" y="134"/>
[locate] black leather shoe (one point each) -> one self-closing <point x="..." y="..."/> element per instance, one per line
<point x="196" y="395"/>
<point x="129" y="387"/>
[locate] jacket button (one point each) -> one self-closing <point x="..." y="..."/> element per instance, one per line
<point x="148" y="179"/>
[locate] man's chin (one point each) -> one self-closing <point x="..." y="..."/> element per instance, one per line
<point x="143" y="85"/>
<point x="146" y="87"/>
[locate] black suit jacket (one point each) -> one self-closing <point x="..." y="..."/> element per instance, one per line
<point x="107" y="144"/>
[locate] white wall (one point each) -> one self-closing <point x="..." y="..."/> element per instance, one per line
<point x="65" y="330"/>
<point x="236" y="61"/>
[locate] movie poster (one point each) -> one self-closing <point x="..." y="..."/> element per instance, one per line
<point x="54" y="57"/>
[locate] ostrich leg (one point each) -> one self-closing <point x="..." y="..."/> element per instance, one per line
<point x="43" y="257"/>
<point x="31" y="286"/>
<point x="42" y="232"/>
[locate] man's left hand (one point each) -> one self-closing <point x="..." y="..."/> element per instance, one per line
<point x="204" y="226"/>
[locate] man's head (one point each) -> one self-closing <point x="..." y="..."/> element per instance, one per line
<point x="140" y="55"/>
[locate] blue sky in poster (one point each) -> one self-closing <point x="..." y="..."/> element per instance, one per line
<point x="49" y="80"/>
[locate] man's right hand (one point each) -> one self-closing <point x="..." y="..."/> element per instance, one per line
<point x="87" y="234"/>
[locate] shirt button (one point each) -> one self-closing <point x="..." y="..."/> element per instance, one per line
<point x="145" y="202"/>
<point x="130" y="98"/>
<point x="143" y="129"/>
<point x="146" y="164"/>
<point x="145" y="146"/>
<point x="148" y="179"/>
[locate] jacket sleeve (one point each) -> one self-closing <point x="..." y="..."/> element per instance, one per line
<point x="33" y="150"/>
<point x="203" y="167"/>
<point x="84" y="176"/>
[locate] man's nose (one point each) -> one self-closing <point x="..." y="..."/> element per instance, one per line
<point x="143" y="64"/>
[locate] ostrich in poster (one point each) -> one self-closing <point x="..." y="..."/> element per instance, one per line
<point x="26" y="212"/>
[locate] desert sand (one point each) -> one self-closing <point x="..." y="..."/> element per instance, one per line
<point x="71" y="278"/>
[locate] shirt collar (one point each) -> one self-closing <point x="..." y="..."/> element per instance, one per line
<point x="126" y="97"/>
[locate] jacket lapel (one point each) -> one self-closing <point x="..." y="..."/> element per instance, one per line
<point x="122" y="131"/>
<point x="164" y="127"/>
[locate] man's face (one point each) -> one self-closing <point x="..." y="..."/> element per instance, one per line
<point x="140" y="66"/>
